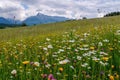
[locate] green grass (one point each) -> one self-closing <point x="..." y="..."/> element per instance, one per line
<point x="56" y="28"/>
<point x="71" y="50"/>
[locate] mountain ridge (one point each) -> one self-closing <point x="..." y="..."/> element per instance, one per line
<point x="43" y="19"/>
<point x="33" y="20"/>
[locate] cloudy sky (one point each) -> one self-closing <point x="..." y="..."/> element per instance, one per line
<point x="67" y="8"/>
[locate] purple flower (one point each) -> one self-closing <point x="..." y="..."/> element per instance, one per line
<point x="51" y="77"/>
<point x="31" y="63"/>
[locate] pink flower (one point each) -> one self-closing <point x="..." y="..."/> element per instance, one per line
<point x="44" y="75"/>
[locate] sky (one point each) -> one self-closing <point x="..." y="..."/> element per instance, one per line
<point x="75" y="9"/>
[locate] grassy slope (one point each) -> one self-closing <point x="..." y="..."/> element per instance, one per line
<point x="55" y="28"/>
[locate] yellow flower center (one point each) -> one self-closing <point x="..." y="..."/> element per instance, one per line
<point x="26" y="62"/>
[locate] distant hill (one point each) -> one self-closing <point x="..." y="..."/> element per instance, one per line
<point x="43" y="19"/>
<point x="7" y="22"/>
<point x="12" y="21"/>
<point x="4" y="21"/>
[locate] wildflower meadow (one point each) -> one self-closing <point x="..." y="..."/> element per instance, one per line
<point x="93" y="54"/>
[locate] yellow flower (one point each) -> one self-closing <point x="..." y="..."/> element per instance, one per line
<point x="112" y="66"/>
<point x="26" y="62"/>
<point x="111" y="77"/>
<point x="16" y="56"/>
<point x="111" y="49"/>
<point x="43" y="58"/>
<point x="20" y="67"/>
<point x="61" y="69"/>
<point x="105" y="58"/>
<point x="117" y="76"/>
<point x="92" y="48"/>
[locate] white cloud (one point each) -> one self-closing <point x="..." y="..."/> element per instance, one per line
<point x="9" y="9"/>
<point x="67" y="8"/>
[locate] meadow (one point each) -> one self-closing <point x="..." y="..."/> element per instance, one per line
<point x="72" y="50"/>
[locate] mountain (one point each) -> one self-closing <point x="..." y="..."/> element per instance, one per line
<point x="4" y="21"/>
<point x="38" y="19"/>
<point x="9" y="21"/>
<point x="12" y="21"/>
<point x="43" y="19"/>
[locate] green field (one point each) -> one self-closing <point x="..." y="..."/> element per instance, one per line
<point x="71" y="50"/>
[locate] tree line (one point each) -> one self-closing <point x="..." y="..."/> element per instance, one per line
<point x="112" y="14"/>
